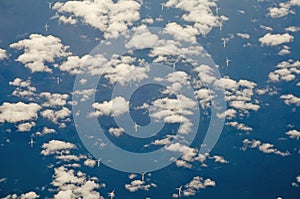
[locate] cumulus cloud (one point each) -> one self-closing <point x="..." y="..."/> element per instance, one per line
<point x="29" y="195"/>
<point x="290" y="99"/>
<point x="174" y="111"/>
<point x="181" y="33"/>
<point x="45" y="131"/>
<point x="71" y="184"/>
<point x="85" y="94"/>
<point x="243" y="35"/>
<point x="24" y="88"/>
<point x="238" y="94"/>
<point x="142" y="38"/>
<point x="76" y="65"/>
<point x="188" y="153"/>
<point x="55" y="146"/>
<point x="283" y="9"/>
<point x="40" y="50"/>
<point x="3" y="54"/>
<point x="117" y="70"/>
<point x="18" y="112"/>
<point x="287" y="71"/>
<point x="115" y="107"/>
<point x="239" y="126"/>
<point x="191" y="188"/>
<point x="284" y="51"/>
<point x="264" y="147"/>
<point x="136" y="185"/>
<point x="292" y="29"/>
<point x="200" y="13"/>
<point x="116" y="131"/>
<point x="294" y="134"/>
<point x="54" y="99"/>
<point x="89" y="162"/>
<point x="26" y="126"/>
<point x="275" y="39"/>
<point x="56" y="116"/>
<point x="105" y="15"/>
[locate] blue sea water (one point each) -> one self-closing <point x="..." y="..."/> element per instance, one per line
<point x="249" y="174"/>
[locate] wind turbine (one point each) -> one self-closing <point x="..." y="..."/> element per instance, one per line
<point x="174" y="64"/>
<point x="98" y="162"/>
<point x="221" y="26"/>
<point x="224" y="43"/>
<point x="136" y="127"/>
<point x="58" y="80"/>
<point x="46" y="27"/>
<point x="227" y="61"/>
<point x="162" y="6"/>
<point x="112" y="194"/>
<point x="179" y="191"/>
<point x="31" y="142"/>
<point x="143" y="176"/>
<point x="50" y="5"/>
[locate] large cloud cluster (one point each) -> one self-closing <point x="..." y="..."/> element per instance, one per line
<point x="198" y="12"/>
<point x="18" y="112"/>
<point x="263" y="147"/>
<point x="283" y="9"/>
<point x="109" y="17"/>
<point x="40" y="51"/>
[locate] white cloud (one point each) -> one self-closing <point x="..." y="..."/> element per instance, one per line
<point x="181" y="33"/>
<point x="290" y="99"/>
<point x="54" y="99"/>
<point x="243" y="35"/>
<point x="24" y="88"/>
<point x="284" y="51"/>
<point x="29" y="195"/>
<point x="264" y="147"/>
<point x="25" y="126"/>
<point x="18" y="112"/>
<point x="188" y="153"/>
<point x="73" y="184"/>
<point x="85" y="94"/>
<point x="109" y="17"/>
<point x="76" y="65"/>
<point x="3" y="54"/>
<point x="174" y="111"/>
<point x="239" y="126"/>
<point x="115" y="107"/>
<point x="287" y="71"/>
<point x="136" y="185"/>
<point x="45" y="131"/>
<point x="39" y="50"/>
<point x="275" y="39"/>
<point x="292" y="29"/>
<point x="142" y="38"/>
<point x="89" y="163"/>
<point x="55" y="146"/>
<point x="294" y="134"/>
<point x="204" y="96"/>
<point x="200" y="13"/>
<point x="56" y="115"/>
<point x="117" y="70"/>
<point x="281" y="11"/>
<point x="196" y="184"/>
<point x="116" y="131"/>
